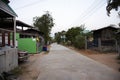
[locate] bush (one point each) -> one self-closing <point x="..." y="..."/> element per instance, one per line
<point x="79" y="42"/>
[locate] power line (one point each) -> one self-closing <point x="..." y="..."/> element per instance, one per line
<point x="28" y="5"/>
<point x="90" y="11"/>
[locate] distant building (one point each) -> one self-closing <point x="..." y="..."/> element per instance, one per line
<point x="104" y="38"/>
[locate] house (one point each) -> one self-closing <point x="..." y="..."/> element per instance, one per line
<point x="104" y="38"/>
<point x="8" y="51"/>
<point x="30" y="40"/>
<point x="26" y="39"/>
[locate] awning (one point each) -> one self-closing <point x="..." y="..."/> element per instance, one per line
<point x="22" y="24"/>
<point x="8" y="23"/>
<point x="6" y="10"/>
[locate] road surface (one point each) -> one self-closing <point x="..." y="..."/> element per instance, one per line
<point x="62" y="63"/>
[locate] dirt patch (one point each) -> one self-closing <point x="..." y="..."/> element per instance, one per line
<point x="109" y="59"/>
<point x="29" y="69"/>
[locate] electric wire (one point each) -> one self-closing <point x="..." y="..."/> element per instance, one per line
<point x="28" y="5"/>
<point x="90" y="11"/>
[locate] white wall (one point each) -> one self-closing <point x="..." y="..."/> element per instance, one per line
<point x="8" y="59"/>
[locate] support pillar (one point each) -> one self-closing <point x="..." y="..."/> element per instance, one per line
<point x="3" y="39"/>
<point x="85" y="42"/>
<point x="8" y="38"/>
<point x="99" y="44"/>
<point x="116" y="45"/>
<point x="14" y="33"/>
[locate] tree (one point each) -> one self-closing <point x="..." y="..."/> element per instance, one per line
<point x="73" y="32"/>
<point x="60" y="37"/>
<point x="79" y="41"/>
<point x="44" y="24"/>
<point x="112" y="4"/>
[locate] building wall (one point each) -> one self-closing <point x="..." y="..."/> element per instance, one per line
<point x="8" y="59"/>
<point x="27" y="44"/>
<point x="107" y="34"/>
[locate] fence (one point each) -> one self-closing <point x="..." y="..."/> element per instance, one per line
<point x="102" y="45"/>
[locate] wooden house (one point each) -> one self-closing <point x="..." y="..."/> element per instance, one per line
<point x="26" y="39"/>
<point x="104" y="38"/>
<point x="8" y="51"/>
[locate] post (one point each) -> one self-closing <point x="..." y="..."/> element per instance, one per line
<point x="85" y="42"/>
<point x="8" y="38"/>
<point x="22" y="28"/>
<point x="99" y="44"/>
<point x="118" y="50"/>
<point x="116" y="45"/>
<point x="3" y="39"/>
<point x="14" y="32"/>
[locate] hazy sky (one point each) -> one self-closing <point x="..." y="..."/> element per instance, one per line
<point x="66" y="13"/>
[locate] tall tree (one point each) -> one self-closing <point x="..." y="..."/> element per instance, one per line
<point x="113" y="4"/>
<point x="73" y="32"/>
<point x="44" y="24"/>
<point x="60" y="36"/>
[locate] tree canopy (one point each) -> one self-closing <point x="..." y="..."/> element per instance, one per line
<point x="73" y="32"/>
<point x="60" y="36"/>
<point x="44" y="24"/>
<point x="113" y="4"/>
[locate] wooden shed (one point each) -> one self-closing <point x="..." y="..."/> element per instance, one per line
<point x="104" y="38"/>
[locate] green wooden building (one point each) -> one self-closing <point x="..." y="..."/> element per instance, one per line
<point x="30" y="40"/>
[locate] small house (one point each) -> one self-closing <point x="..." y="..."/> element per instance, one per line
<point x="29" y="40"/>
<point x="104" y="38"/>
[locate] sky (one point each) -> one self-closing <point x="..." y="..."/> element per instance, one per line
<point x="66" y="13"/>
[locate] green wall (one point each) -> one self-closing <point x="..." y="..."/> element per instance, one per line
<point x="17" y="36"/>
<point x="27" y="44"/>
<point x="40" y="48"/>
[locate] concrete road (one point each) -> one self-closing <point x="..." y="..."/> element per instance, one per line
<point x="65" y="64"/>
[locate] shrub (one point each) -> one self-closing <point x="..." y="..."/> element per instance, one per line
<point x="79" y="42"/>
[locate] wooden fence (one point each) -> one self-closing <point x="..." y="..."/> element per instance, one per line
<point x="102" y="45"/>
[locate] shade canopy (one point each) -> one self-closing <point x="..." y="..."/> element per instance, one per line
<point x="6" y="10"/>
<point x="8" y="24"/>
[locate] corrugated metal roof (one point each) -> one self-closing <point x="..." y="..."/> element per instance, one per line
<point x="7" y="9"/>
<point x="20" y="23"/>
<point x="8" y="23"/>
<point x="111" y="26"/>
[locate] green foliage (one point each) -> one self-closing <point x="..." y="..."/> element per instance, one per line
<point x="89" y="35"/>
<point x="60" y="37"/>
<point x="113" y="4"/>
<point x="44" y="24"/>
<point x="73" y="32"/>
<point x="79" y="41"/>
<point x="75" y="36"/>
